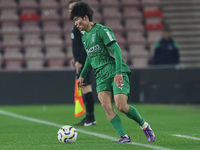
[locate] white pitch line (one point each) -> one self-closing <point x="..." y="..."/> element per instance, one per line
<point x="79" y="130"/>
<point x="187" y="137"/>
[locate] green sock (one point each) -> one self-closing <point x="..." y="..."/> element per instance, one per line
<point x="134" y="114"/>
<point x="117" y="125"/>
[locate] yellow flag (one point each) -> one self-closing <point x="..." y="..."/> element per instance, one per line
<point x="78" y="101"/>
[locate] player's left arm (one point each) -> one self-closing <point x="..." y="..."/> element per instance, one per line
<point x="109" y="40"/>
<point x="118" y="60"/>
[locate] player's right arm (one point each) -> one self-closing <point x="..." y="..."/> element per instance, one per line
<point x="84" y="72"/>
<point x="86" y="68"/>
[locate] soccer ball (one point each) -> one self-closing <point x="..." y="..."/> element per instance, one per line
<point x="67" y="134"/>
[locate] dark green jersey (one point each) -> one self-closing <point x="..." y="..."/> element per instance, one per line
<point x="100" y="54"/>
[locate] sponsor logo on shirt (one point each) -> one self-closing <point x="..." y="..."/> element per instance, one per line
<point x="93" y="49"/>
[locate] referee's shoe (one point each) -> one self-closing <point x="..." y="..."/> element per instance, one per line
<point x="86" y="122"/>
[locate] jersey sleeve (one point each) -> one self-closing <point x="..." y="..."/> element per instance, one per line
<point x="106" y="34"/>
<point x="86" y="68"/>
<point x="114" y="50"/>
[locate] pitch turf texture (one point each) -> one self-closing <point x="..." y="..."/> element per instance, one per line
<point x="24" y="128"/>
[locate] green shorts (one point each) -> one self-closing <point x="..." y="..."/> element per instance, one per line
<point x="109" y="85"/>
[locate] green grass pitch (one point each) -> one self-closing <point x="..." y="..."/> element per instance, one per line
<point x="165" y="120"/>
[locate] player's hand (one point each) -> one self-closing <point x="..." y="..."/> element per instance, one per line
<point x="78" y="67"/>
<point x="80" y="82"/>
<point x="72" y="63"/>
<point x="118" y="79"/>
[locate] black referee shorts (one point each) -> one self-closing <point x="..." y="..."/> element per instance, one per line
<point x="87" y="79"/>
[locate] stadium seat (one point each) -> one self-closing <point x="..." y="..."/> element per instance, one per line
<point x="49" y="4"/>
<point x="153" y="20"/>
<point x="125" y="56"/>
<point x="28" y="4"/>
<point x="111" y="12"/>
<point x="133" y="24"/>
<point x="9" y="16"/>
<point x="97" y="18"/>
<point x="53" y="40"/>
<point x="13" y="60"/>
<point x="29" y="16"/>
<point x="68" y="26"/>
<point x="34" y="59"/>
<point x="68" y="41"/>
<point x="120" y="39"/>
<point x="32" y="41"/>
<point x="153" y="13"/>
<point x="153" y="36"/>
<point x="114" y="24"/>
<point x="11" y="42"/>
<point x="129" y="3"/>
<point x="136" y="47"/>
<point x="154" y="26"/>
<point x="150" y="2"/>
<point x="8" y="4"/>
<point x="139" y="55"/>
<point x="49" y="14"/>
<point x="131" y="12"/>
<point x="31" y="28"/>
<point x="150" y="8"/>
<point x="136" y="37"/>
<point x="51" y="27"/>
<point x="107" y="3"/>
<point x="63" y="3"/>
<point x="139" y="61"/>
<point x="12" y="49"/>
<point x="69" y="55"/>
<point x="10" y="28"/>
<point x="55" y="59"/>
<point x="65" y="15"/>
<point x="93" y="3"/>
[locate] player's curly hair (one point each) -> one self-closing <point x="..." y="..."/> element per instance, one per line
<point x="81" y="9"/>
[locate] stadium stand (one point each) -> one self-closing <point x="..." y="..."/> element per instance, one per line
<point x="41" y="31"/>
<point x="182" y="17"/>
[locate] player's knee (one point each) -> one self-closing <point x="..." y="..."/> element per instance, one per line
<point x="106" y="107"/>
<point x="121" y="108"/>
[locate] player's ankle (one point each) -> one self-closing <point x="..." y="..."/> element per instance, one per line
<point x="144" y="125"/>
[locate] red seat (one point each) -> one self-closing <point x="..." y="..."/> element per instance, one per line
<point x="154" y="26"/>
<point x="29" y="16"/>
<point x="153" y="13"/>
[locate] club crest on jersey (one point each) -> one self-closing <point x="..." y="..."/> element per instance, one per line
<point x="93" y="37"/>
